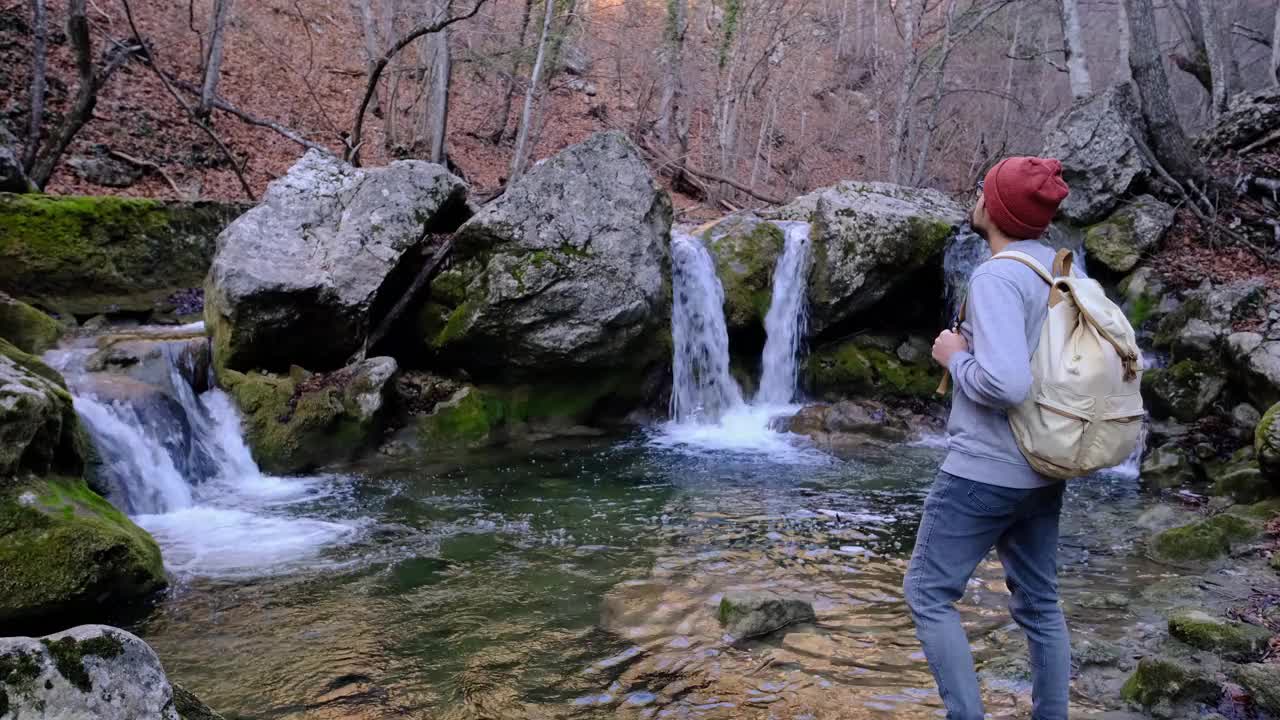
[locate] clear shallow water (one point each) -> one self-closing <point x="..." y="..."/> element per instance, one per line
<point x="581" y="581"/>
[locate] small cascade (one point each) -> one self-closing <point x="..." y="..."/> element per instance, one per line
<point x="702" y="388"/>
<point x="964" y="253"/>
<point x="174" y="458"/>
<point x="786" y="321"/>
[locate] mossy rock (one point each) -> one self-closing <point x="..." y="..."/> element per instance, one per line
<point x="1204" y="540"/>
<point x="1185" y="391"/>
<point x="190" y="707"/>
<point x="65" y="550"/>
<point x="1121" y="240"/>
<point x="1232" y="640"/>
<point x="301" y="422"/>
<point x="27" y="328"/>
<point x="1160" y="679"/>
<point x="1244" y="484"/>
<point x="746" y="250"/>
<point x="91" y="255"/>
<point x="858" y="368"/>
<point x="1266" y="442"/>
<point x="1257" y="512"/>
<point x="1262" y="681"/>
<point x="1166" y="468"/>
<point x="39" y="430"/>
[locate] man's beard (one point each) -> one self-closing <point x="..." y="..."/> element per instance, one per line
<point x="977" y="227"/>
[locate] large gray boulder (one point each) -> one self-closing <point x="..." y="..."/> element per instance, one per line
<point x="1201" y="324"/>
<point x="1121" y="240"/>
<point x="1257" y="360"/>
<point x="302" y="278"/>
<point x="1100" y="160"/>
<point x="867" y="238"/>
<point x="91" y="672"/>
<point x="566" y="271"/>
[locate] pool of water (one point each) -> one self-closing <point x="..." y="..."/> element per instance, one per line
<point x="581" y="580"/>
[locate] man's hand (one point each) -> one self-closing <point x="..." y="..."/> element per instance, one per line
<point x="948" y="344"/>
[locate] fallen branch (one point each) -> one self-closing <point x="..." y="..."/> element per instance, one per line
<point x="355" y="141"/>
<point x="149" y="59"/>
<point x="1261" y="142"/>
<point x="428" y="271"/>
<point x="219" y="103"/>
<point x="149" y="166"/>
<point x="710" y="177"/>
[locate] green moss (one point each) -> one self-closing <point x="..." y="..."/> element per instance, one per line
<point x="1204" y="540"/>
<point x="468" y="420"/>
<point x="929" y="236"/>
<point x="1262" y="682"/>
<point x="17" y="670"/>
<point x="63" y="548"/>
<point x="1140" y="309"/>
<point x="1158" y="679"/>
<point x="745" y="249"/>
<point x="1238" y="641"/>
<point x="1260" y="511"/>
<point x="33" y="365"/>
<point x="855" y="369"/>
<point x="455" y="324"/>
<point x="68" y="656"/>
<point x="1266" y="442"/>
<point x="88" y="255"/>
<point x="1184" y="390"/>
<point x="26" y="327"/>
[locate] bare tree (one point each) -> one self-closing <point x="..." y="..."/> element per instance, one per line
<point x="1223" y="82"/>
<point x="931" y="121"/>
<point x="504" y="116"/>
<point x="520" y="157"/>
<point x="673" y="55"/>
<point x="441" y="76"/>
<point x="913" y="12"/>
<point x="1275" y="49"/>
<point x="213" y="60"/>
<point x="39" y="61"/>
<point x="1167" y="139"/>
<point x="91" y="81"/>
<point x="1073" y="48"/>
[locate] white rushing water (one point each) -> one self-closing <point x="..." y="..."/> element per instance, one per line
<point x="176" y="461"/>
<point x="708" y="413"/>
<point x="786" y="321"/>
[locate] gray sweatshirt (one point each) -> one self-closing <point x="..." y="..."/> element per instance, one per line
<point x="1007" y="305"/>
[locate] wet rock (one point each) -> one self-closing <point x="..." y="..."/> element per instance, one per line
<point x="847" y="428"/>
<point x="1166" y="468"/>
<point x="12" y="177"/>
<point x="105" y="171"/>
<point x="1203" y="540"/>
<point x="1185" y="391"/>
<point x="1129" y="233"/>
<point x="1085" y="653"/>
<point x="1146" y="299"/>
<point x="1164" y="679"/>
<point x="302" y="421"/>
<point x="564" y="272"/>
<point x="91" y="671"/>
<point x="302" y="277"/>
<point x="868" y="238"/>
<point x="190" y="707"/>
<point x="870" y="366"/>
<point x="1257" y="361"/>
<point x="1175" y="591"/>
<point x="29" y="330"/>
<point x="747" y="614"/>
<point x="1104" y="601"/>
<point x="746" y="249"/>
<point x="1216" y="308"/>
<point x="1100" y="160"/>
<point x="1245" y="419"/>
<point x="1160" y="517"/>
<point x="1267" y="443"/>
<point x="1244" y="483"/>
<point x="1008" y="668"/>
<point x="1262" y="681"/>
<point x="39" y="431"/>
<point x="1232" y="640"/>
<point x="91" y="255"/>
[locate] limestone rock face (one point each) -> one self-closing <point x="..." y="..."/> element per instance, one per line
<point x="302" y="277"/>
<point x="91" y="672"/>
<point x="566" y="271"/>
<point x="1130" y="232"/>
<point x="867" y="238"/>
<point x="1100" y="160"/>
<point x="1257" y="360"/>
<point x="746" y="249"/>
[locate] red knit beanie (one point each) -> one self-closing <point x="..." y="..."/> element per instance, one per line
<point x="1023" y="193"/>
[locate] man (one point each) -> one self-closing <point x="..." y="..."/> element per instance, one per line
<point x="986" y="495"/>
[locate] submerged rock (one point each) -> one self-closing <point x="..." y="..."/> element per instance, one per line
<point x="566" y="271"/>
<point x="846" y="429"/>
<point x="748" y="614"/>
<point x="1262" y="681"/>
<point x="868" y="238"/>
<point x="27" y="328"/>
<point x="746" y="249"/>
<point x="91" y="255"/>
<point x="88" y="672"/>
<point x="1121" y="240"/>
<point x="1166" y="680"/>
<point x="303" y="421"/>
<point x="1094" y="139"/>
<point x="1232" y="640"/>
<point x="1203" y="540"/>
<point x="302" y="277"/>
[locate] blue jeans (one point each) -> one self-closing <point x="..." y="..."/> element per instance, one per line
<point x="963" y="520"/>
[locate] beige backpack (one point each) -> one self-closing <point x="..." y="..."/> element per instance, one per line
<point x="1084" y="412"/>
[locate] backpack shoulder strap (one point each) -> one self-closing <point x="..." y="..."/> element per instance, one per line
<point x="1027" y="260"/>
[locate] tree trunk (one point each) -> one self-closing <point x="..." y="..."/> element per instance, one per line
<point x="1123" y="19"/>
<point x="672" y="90"/>
<point x="505" y="115"/>
<point x="1073" y="48"/>
<point x="39" y="60"/>
<point x="930" y="124"/>
<point x="1275" y="50"/>
<point x="372" y="44"/>
<point x="1166" y="136"/>
<point x="442" y="72"/>
<point x="1008" y="78"/>
<point x="521" y="155"/>
<point x="906" y="90"/>
<point x="1215" y="54"/>
<point x="213" y="61"/>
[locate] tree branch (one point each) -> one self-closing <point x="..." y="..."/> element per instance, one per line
<point x="1249" y="33"/>
<point x="220" y="103"/>
<point x="148" y="165"/>
<point x="711" y="177"/>
<point x="39" y="60"/>
<point x="352" y="154"/>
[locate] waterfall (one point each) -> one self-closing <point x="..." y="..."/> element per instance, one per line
<point x="702" y="387"/>
<point x="785" y="323"/>
<point x="173" y="457"/>
<point x="964" y="253"/>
